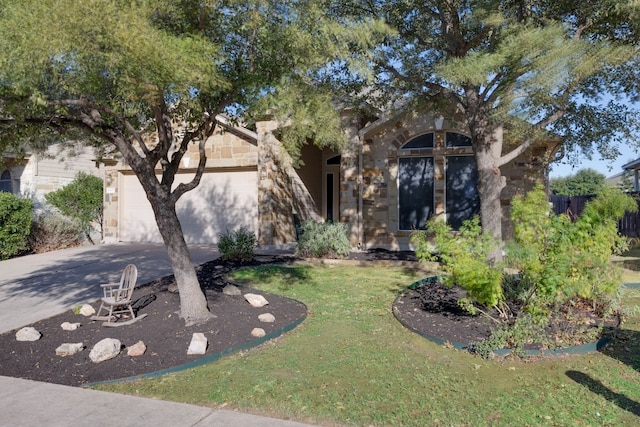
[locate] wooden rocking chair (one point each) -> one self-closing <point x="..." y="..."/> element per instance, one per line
<point x="116" y="301"/>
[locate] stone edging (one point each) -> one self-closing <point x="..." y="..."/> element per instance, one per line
<point x="579" y="349"/>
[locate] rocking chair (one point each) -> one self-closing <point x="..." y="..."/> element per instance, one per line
<point x="116" y="301"/>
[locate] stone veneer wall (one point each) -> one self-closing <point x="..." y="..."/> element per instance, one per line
<point x="275" y="211"/>
<point x="380" y="178"/>
<point x="350" y="186"/>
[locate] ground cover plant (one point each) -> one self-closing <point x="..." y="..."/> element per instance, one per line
<point x="352" y="363"/>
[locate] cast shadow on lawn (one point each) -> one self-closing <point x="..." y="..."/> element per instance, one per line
<point x="289" y="275"/>
<point x="625" y="347"/>
<point x="597" y="387"/>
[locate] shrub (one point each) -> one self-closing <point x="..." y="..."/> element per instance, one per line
<point x="323" y="239"/>
<point x="558" y="259"/>
<point x="52" y="231"/>
<point x="82" y="200"/>
<point x="237" y="246"/>
<point x="463" y="256"/>
<point x="15" y="224"/>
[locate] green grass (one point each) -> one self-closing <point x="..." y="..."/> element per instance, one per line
<point x="352" y="363"/>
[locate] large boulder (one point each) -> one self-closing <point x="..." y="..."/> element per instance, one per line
<point x="106" y="349"/>
<point x="28" y="333"/>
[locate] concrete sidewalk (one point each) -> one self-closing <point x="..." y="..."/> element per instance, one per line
<point x="34" y="287"/>
<point x="30" y="403"/>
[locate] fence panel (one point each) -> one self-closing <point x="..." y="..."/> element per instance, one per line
<point x="628" y="226"/>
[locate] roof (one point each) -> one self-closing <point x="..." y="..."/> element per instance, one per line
<point x="633" y="165"/>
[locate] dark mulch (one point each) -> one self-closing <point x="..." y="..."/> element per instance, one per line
<point x="432" y="310"/>
<point x="163" y="332"/>
<point x="433" y="313"/>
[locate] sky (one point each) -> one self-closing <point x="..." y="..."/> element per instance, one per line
<point x="605" y="167"/>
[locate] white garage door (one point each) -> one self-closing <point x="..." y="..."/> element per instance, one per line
<point x="223" y="201"/>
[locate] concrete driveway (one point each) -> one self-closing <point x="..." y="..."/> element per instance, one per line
<point x="35" y="287"/>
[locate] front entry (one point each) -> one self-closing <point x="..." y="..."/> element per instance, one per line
<point x="331" y="190"/>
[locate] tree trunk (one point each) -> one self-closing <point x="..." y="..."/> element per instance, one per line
<point x="193" y="303"/>
<point x="490" y="185"/>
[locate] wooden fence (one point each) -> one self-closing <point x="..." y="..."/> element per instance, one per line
<point x="628" y="226"/>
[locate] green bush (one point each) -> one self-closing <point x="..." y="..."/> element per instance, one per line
<point x="463" y="256"/>
<point x="323" y="239"/>
<point x="52" y="231"/>
<point x="560" y="260"/>
<point x="82" y="199"/>
<point x="237" y="246"/>
<point x="15" y="224"/>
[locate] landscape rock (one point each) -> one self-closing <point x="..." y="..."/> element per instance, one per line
<point x="69" y="349"/>
<point x="256" y="300"/>
<point x="87" y="310"/>
<point x="28" y="333"/>
<point x="198" y="344"/>
<point x="70" y="326"/>
<point x="173" y="288"/>
<point x="231" y="290"/>
<point x="105" y="349"/>
<point x="267" y="318"/>
<point x="258" y="332"/>
<point x="137" y="349"/>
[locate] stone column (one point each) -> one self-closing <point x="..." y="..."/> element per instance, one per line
<point x="275" y="213"/>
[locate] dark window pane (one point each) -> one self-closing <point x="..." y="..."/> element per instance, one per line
<point x="335" y="160"/>
<point x="462" y="201"/>
<point x="415" y="182"/>
<point x="422" y="141"/>
<point x="454" y="139"/>
<point x="329" y="216"/>
<point x="5" y="182"/>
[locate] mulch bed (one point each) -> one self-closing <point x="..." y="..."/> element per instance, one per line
<point x="164" y="333"/>
<point x="432" y="311"/>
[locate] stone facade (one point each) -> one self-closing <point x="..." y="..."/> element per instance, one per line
<point x="358" y="187"/>
<point x="380" y="150"/>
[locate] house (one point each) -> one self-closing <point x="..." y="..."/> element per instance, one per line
<point x="633" y="168"/>
<point x="35" y="174"/>
<point x="395" y="173"/>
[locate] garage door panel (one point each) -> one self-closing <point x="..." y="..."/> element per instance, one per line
<point x="223" y="201"/>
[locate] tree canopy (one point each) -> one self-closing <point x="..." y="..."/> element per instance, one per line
<point x="113" y="73"/>
<point x="533" y="67"/>
<point x="583" y="183"/>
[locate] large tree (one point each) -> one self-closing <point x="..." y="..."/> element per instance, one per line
<point x="583" y="183"/>
<point x="113" y="72"/>
<point x="529" y="66"/>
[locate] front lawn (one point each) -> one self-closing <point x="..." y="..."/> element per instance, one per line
<point x="352" y="363"/>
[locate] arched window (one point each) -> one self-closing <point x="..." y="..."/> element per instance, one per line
<point x="454" y="139"/>
<point x="5" y="182"/>
<point x="335" y="160"/>
<point x="422" y="141"/>
<point x="416" y="182"/>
